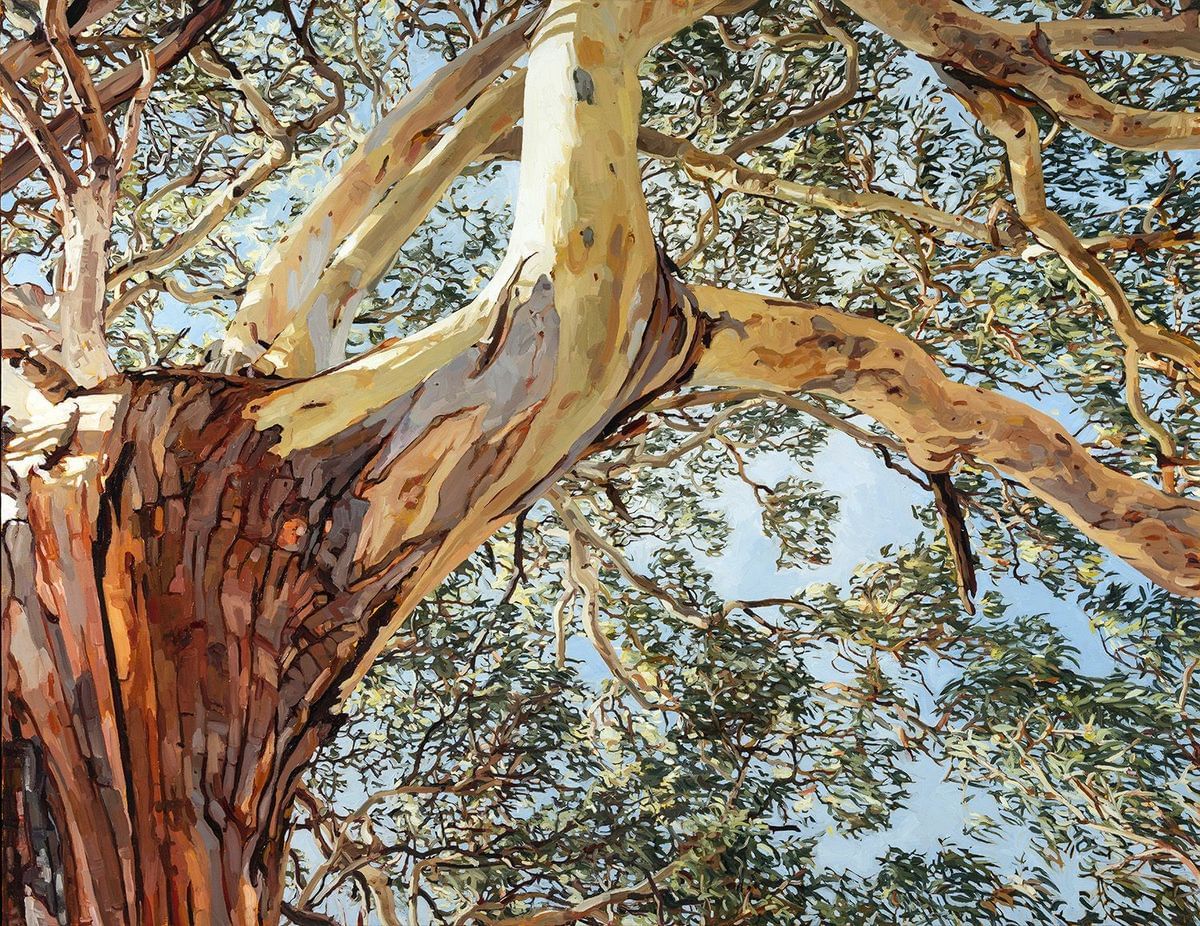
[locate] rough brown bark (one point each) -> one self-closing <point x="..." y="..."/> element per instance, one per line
<point x="200" y="602"/>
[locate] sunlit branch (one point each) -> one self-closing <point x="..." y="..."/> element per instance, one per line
<point x="96" y="137"/>
<point x="1177" y="36"/>
<point x="389" y="152"/>
<point x="39" y="137"/>
<point x="773" y="344"/>
<point x="1017" y="57"/>
<point x="1016" y="127"/>
<point x="316" y="337"/>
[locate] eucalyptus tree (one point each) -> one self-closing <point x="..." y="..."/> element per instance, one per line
<point x="331" y="482"/>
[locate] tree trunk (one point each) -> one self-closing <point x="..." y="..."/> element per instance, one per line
<point x="194" y="589"/>
<point x="143" y="774"/>
<point x="199" y="568"/>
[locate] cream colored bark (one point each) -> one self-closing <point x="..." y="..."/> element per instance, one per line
<point x="389" y="152"/>
<point x="574" y="328"/>
<point x="757" y="341"/>
<point x="218" y="559"/>
<point x="1012" y="55"/>
<point x="316" y="336"/>
<point x="80" y="298"/>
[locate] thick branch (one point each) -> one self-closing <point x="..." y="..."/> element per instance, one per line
<point x="391" y="151"/>
<point x="316" y="337"/>
<point x="768" y="343"/>
<point x="40" y="139"/>
<point x="1177" y="36"/>
<point x="439" y="439"/>
<point x="1017" y="56"/>
<point x="78" y="79"/>
<point x="22" y="57"/>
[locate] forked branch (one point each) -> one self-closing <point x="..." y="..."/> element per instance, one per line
<point x="1018" y="56"/>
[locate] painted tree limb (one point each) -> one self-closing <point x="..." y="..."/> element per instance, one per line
<point x="22" y="57"/>
<point x="227" y="555"/>
<point x="1016" y="128"/>
<point x="601" y="905"/>
<point x="1176" y="36"/>
<point x="583" y="578"/>
<point x="315" y="338"/>
<point x="41" y="141"/>
<point x="729" y="173"/>
<point x="119" y="87"/>
<point x="97" y="141"/>
<point x="759" y="341"/>
<point x="389" y="152"/>
<point x="705" y="165"/>
<point x="1017" y="57"/>
<point x="281" y="141"/>
<point x="649" y="22"/>
<point x="271" y="307"/>
<point x="87" y="220"/>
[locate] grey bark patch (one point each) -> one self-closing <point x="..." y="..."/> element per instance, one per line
<point x="585" y="88"/>
<point x="588" y="236"/>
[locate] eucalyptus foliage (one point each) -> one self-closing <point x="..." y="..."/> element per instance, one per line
<point x="492" y="764"/>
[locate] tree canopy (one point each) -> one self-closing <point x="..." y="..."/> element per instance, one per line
<point x="581" y="723"/>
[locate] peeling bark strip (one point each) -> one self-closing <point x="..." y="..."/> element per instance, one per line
<point x="790" y="346"/>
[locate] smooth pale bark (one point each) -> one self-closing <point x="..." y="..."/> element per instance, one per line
<point x="389" y="152"/>
<point x="218" y="559"/>
<point x="1013" y="55"/>
<point x="80" y="300"/>
<point x="757" y="341"/>
<point x="301" y="321"/>
<point x="321" y="319"/>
